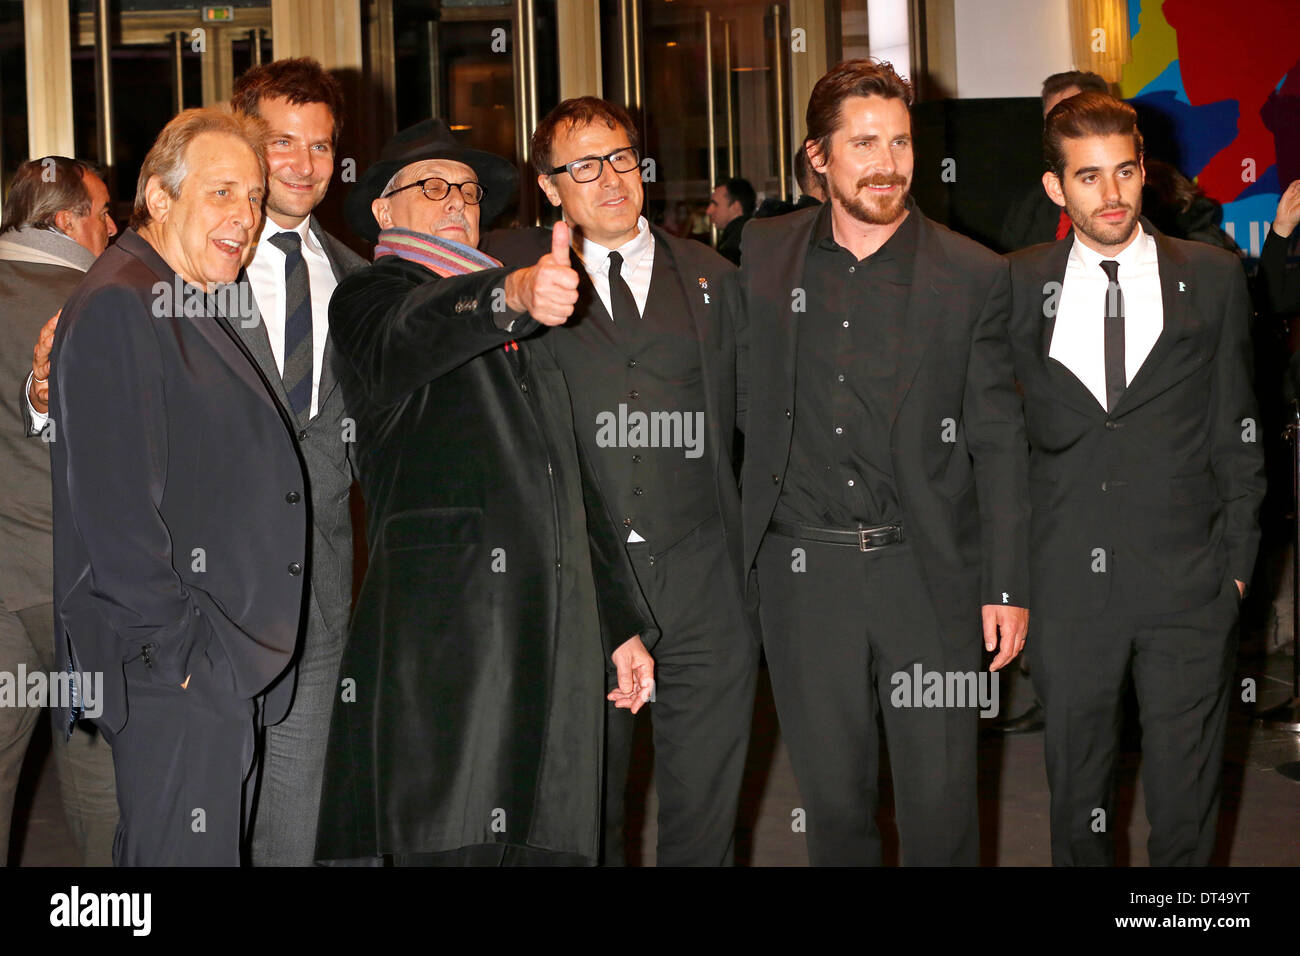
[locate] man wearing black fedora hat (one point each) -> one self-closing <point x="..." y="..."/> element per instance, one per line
<point x="469" y="727"/>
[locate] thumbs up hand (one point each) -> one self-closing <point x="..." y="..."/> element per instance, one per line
<point x="547" y="291"/>
<point x="560" y="244"/>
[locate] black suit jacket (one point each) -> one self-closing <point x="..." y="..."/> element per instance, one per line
<point x="964" y="500"/>
<point x="179" y="511"/>
<point x="1168" y="485"/>
<point x="720" y="326"/>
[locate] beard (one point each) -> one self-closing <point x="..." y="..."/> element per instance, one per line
<point x="1101" y="232"/>
<point x="874" y="210"/>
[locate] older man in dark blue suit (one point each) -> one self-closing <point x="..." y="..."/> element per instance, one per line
<point x="180" y="520"/>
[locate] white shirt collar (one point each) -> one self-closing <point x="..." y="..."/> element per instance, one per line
<point x="596" y="257"/>
<point x="1140" y="252"/>
<point x="303" y="229"/>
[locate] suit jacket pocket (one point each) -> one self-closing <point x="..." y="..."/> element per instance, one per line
<point x="1187" y="519"/>
<point x="1188" y="490"/>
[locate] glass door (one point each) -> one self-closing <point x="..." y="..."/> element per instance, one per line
<point x="135" y="63"/>
<point x="712" y="100"/>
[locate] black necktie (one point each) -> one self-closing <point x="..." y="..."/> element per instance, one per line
<point x="297" y="356"/>
<point x="1116" y="377"/>
<point x="622" y="301"/>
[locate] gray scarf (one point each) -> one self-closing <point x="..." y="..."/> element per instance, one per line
<point x="46" y="247"/>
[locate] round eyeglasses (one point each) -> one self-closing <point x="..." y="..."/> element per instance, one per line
<point x="589" y="168"/>
<point x="436" y="188"/>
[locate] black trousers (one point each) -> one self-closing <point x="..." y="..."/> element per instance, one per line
<point x="1181" y="667"/>
<point x="706" y="665"/>
<point x="183" y="761"/>
<point x="838" y="625"/>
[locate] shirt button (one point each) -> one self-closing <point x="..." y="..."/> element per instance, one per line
<point x="776" y="479"/>
<point x="636" y="459"/>
<point x="846" y="323"/>
<point x="631" y="363"/>
<point x="839" y="430"/>
<point x="1103" y="486"/>
<point x="840" y="377"/>
<point x="295" y="569"/>
<point x="633" y="394"/>
<point x="852" y="269"/>
<point x="787" y="413"/>
<point x="850" y="482"/>
<point x="302" y="435"/>
<point x="293" y="497"/>
<point x="637" y="491"/>
<point x="523" y="386"/>
<point x="627" y="522"/>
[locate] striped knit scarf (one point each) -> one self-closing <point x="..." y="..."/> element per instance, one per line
<point x="442" y="256"/>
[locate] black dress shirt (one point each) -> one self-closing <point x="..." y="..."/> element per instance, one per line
<point x="840" y="474"/>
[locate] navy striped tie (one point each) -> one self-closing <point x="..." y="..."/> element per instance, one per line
<point x="297" y="358"/>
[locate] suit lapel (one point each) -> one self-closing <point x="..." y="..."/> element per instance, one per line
<point x="217" y="330"/>
<point x="328" y="381"/>
<point x="775" y="290"/>
<point x="1177" y="323"/>
<point x="922" y="313"/>
<point x="694" y="295"/>
<point x="1051" y="287"/>
<point x="258" y="343"/>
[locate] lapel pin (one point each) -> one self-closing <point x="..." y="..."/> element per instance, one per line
<point x="706" y="298"/>
<point x="1182" y="287"/>
<point x="704" y="283"/>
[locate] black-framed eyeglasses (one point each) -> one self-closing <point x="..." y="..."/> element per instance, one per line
<point x="435" y="188"/>
<point x="589" y="168"/>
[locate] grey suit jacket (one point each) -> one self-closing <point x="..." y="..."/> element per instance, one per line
<point x="29" y="294"/>
<point x="326" y="446"/>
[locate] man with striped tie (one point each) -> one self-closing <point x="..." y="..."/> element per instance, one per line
<point x="293" y="273"/>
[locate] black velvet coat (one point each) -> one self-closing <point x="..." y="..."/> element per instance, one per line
<point x="471" y="705"/>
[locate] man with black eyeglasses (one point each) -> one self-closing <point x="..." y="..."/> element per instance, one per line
<point x="654" y="357"/>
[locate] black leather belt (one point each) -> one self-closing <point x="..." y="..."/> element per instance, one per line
<point x="864" y="539"/>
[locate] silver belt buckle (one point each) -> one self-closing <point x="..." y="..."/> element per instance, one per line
<point x="864" y="540"/>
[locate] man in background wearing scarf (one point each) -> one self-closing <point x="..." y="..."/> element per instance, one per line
<point x="56" y="223"/>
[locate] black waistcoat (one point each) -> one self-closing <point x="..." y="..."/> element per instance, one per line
<point x="638" y="406"/>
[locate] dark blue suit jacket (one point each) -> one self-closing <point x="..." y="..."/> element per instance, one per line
<point x="180" y="507"/>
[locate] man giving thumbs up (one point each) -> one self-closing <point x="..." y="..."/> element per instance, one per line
<point x="470" y="724"/>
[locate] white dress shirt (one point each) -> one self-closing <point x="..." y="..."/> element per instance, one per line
<point x="638" y="263"/>
<point x="1079" y="338"/>
<point x="266" y="274"/>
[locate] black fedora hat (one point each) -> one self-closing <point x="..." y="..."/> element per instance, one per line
<point x="429" y="139"/>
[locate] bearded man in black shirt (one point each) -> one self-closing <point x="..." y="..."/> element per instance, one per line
<point x="884" y="489"/>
